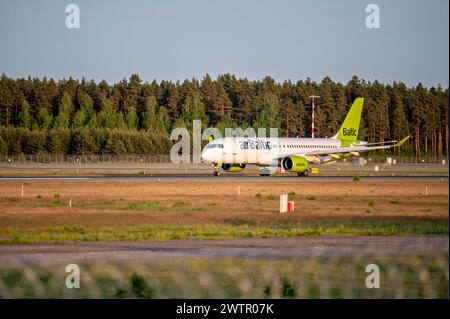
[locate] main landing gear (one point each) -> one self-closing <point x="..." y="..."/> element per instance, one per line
<point x="305" y="173"/>
<point x="216" y="173"/>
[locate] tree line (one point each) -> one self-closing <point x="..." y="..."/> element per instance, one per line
<point x="84" y="117"/>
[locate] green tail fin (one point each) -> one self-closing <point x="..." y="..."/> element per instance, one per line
<point x="349" y="130"/>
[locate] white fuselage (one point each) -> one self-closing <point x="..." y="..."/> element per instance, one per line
<point x="262" y="151"/>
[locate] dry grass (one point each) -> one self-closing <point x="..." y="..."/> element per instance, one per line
<point x="140" y="204"/>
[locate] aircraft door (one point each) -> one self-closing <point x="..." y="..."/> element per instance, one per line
<point x="236" y="157"/>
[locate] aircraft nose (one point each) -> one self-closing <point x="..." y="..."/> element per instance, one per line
<point x="206" y="156"/>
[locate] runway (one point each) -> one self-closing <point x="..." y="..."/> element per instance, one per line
<point x="46" y="254"/>
<point x="223" y="178"/>
<point x="204" y="172"/>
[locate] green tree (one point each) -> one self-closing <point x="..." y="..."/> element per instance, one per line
<point x="400" y="125"/>
<point x="107" y="117"/>
<point x="84" y="113"/>
<point x="269" y="116"/>
<point x="34" y="142"/>
<point x="24" y="118"/>
<point x="114" y="143"/>
<point x="79" y="119"/>
<point x="131" y="118"/>
<point x="62" y="120"/>
<point x="226" y="122"/>
<point x="149" y="119"/>
<point x="58" y="141"/>
<point x="144" y="113"/>
<point x="84" y="141"/>
<point x="120" y="121"/>
<point x="3" y="147"/>
<point x="44" y="119"/>
<point x="163" y="119"/>
<point x="217" y="102"/>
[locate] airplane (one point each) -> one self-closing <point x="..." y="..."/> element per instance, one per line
<point x="232" y="154"/>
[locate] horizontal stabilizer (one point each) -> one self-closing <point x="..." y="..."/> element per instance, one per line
<point x="402" y="141"/>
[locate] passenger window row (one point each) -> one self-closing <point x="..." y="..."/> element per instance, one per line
<point x="307" y="146"/>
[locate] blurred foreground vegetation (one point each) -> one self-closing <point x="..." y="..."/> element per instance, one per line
<point x="400" y="277"/>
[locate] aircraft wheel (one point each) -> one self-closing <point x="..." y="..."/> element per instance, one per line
<point x="306" y="173"/>
<point x="216" y="173"/>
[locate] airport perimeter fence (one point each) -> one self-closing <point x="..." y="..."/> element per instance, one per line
<point x="309" y="277"/>
<point x="165" y="158"/>
<point x="84" y="159"/>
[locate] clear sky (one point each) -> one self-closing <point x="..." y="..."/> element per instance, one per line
<point x="178" y="39"/>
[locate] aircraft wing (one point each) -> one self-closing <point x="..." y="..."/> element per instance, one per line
<point x="346" y="151"/>
<point x="356" y="149"/>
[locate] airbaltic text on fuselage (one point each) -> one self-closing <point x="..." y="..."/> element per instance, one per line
<point x="255" y="144"/>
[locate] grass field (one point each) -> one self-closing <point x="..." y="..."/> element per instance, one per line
<point x="170" y="210"/>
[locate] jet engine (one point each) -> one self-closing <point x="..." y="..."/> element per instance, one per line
<point x="296" y="164"/>
<point x="233" y="167"/>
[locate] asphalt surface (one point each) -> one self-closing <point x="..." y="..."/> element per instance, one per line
<point x="198" y="168"/>
<point x="202" y="171"/>
<point x="29" y="255"/>
<point x="223" y="177"/>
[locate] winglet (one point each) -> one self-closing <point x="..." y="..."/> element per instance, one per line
<point x="402" y="141"/>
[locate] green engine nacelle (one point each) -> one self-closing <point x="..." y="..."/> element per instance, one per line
<point x="294" y="164"/>
<point x="232" y="167"/>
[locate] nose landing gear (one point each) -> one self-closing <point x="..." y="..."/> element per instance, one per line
<point x="267" y="171"/>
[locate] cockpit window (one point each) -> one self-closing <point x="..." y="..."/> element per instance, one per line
<point x="215" y="146"/>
